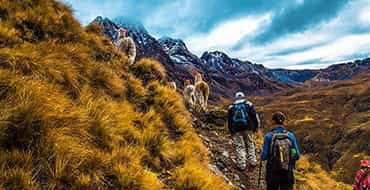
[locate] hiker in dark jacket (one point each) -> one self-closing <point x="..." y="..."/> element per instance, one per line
<point x="243" y="121"/>
<point x="281" y="151"/>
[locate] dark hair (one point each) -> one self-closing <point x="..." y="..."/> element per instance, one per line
<point x="278" y="117"/>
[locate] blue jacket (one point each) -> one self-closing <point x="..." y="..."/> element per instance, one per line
<point x="268" y="138"/>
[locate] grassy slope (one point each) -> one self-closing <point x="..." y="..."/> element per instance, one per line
<point x="332" y="125"/>
<point x="73" y="115"/>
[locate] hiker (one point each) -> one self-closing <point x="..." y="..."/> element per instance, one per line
<point x="127" y="45"/>
<point x="201" y="93"/>
<point x="243" y="121"/>
<point x="362" y="179"/>
<point x="281" y="151"/>
<point x="189" y="95"/>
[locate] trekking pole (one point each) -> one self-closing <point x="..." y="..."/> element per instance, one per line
<point x="259" y="175"/>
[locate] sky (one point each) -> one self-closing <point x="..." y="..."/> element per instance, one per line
<point x="293" y="34"/>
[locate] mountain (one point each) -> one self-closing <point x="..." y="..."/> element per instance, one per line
<point x="147" y="45"/>
<point x="344" y="71"/>
<point x="179" y="53"/>
<point x="227" y="76"/>
<point x="291" y="76"/>
<point x="181" y="64"/>
<point x="224" y="74"/>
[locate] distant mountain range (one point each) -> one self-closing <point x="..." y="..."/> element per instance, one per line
<point x="225" y="75"/>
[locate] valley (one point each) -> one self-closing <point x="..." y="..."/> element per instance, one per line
<point x="332" y="124"/>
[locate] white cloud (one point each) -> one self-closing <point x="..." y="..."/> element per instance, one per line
<point x="322" y="45"/>
<point x="364" y="15"/>
<point x="310" y="66"/>
<point x="300" y="2"/>
<point x="165" y="16"/>
<point x="336" y="40"/>
<point x="227" y="34"/>
<point x="338" y="50"/>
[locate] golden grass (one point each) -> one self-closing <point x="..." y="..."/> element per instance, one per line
<point x="73" y="115"/>
<point x="191" y="177"/>
<point x="311" y="176"/>
<point x="148" y="70"/>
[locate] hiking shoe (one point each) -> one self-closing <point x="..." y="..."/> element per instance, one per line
<point x="241" y="169"/>
<point x="253" y="164"/>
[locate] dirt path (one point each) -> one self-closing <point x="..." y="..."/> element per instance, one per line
<point x="212" y="129"/>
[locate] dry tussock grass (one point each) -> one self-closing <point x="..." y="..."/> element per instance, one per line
<point x="74" y="116"/>
<point x="311" y="176"/>
<point x="149" y="70"/>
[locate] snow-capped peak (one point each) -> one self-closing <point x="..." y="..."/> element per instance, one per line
<point x="131" y="24"/>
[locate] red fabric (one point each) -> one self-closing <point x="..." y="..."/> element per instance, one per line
<point x="365" y="163"/>
<point x="359" y="185"/>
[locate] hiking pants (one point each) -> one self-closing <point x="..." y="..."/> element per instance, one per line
<point x="278" y="185"/>
<point x="245" y="149"/>
<point x="281" y="180"/>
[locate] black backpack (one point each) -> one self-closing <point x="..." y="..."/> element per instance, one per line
<point x="280" y="157"/>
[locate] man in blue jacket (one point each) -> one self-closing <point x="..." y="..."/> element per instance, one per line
<point x="281" y="151"/>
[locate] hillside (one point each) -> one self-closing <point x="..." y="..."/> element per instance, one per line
<point x="332" y="123"/>
<point x="73" y="115"/>
<point x="214" y="133"/>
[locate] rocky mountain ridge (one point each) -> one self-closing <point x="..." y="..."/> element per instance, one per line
<point x="224" y="74"/>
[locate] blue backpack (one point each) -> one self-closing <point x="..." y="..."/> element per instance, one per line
<point x="240" y="116"/>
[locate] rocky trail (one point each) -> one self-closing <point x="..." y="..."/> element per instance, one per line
<point x="212" y="129"/>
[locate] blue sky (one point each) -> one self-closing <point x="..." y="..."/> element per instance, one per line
<point x="294" y="34"/>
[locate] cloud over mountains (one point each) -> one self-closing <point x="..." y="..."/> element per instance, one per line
<point x="289" y="34"/>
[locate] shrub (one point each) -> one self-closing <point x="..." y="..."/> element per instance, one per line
<point x="109" y="80"/>
<point x="192" y="177"/>
<point x="135" y="92"/>
<point x="148" y="70"/>
<point x="17" y="179"/>
<point x="8" y="36"/>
